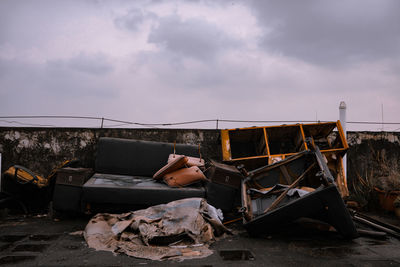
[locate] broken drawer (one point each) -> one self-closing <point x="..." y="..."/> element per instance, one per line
<point x="73" y="176"/>
<point x="224" y="174"/>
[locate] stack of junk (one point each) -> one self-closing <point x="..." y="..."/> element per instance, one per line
<point x="268" y="178"/>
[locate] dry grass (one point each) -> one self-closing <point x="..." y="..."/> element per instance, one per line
<point x="386" y="175"/>
<point x="376" y="170"/>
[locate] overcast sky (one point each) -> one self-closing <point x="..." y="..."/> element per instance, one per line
<point x="172" y="61"/>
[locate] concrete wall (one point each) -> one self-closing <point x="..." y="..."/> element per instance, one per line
<point x="42" y="149"/>
<point x="373" y="157"/>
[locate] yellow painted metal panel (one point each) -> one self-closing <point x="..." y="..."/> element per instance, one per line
<point x="226" y="146"/>
<point x="266" y="141"/>
<point x="304" y="137"/>
<point x="342" y="135"/>
<point x="245" y="158"/>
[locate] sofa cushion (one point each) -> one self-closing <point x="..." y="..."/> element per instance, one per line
<point x="124" y="189"/>
<point x="134" y="157"/>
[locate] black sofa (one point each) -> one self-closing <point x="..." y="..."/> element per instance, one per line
<point x="124" y="170"/>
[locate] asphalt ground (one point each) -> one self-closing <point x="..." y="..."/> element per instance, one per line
<point x="42" y="241"/>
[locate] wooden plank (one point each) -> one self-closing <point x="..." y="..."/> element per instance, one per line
<point x="341" y="180"/>
<point x="283" y="195"/>
<point x="285" y="173"/>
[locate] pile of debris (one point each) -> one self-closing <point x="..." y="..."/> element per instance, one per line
<point x="270" y="177"/>
<point x="181" y="229"/>
<point x="310" y="192"/>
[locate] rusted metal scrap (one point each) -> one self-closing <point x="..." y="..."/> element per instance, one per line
<point x="376" y="224"/>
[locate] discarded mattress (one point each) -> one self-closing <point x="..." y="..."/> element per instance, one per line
<point x="182" y="229"/>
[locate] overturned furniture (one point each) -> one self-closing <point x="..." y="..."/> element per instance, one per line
<point x="299" y="186"/>
<point x="255" y="147"/>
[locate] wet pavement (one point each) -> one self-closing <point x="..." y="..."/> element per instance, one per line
<point x="40" y="241"/>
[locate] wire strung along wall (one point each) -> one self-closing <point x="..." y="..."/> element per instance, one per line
<point x="101" y="122"/>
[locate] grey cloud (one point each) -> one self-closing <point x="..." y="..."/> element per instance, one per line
<point x="19" y="87"/>
<point x="171" y="70"/>
<point x="33" y="85"/>
<point x="19" y="77"/>
<point x="94" y="64"/>
<point x="192" y="38"/>
<point x="218" y="78"/>
<point x="61" y="80"/>
<point x="331" y="32"/>
<point x="32" y="23"/>
<point x="131" y="20"/>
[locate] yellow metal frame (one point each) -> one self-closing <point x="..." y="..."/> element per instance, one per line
<point x="227" y="150"/>
<point x="341" y="179"/>
<point x="226" y="145"/>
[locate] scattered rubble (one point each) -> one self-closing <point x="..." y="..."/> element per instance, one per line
<point x="270" y="176"/>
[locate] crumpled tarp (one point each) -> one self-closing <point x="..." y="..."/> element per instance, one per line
<point x="181" y="229"/>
